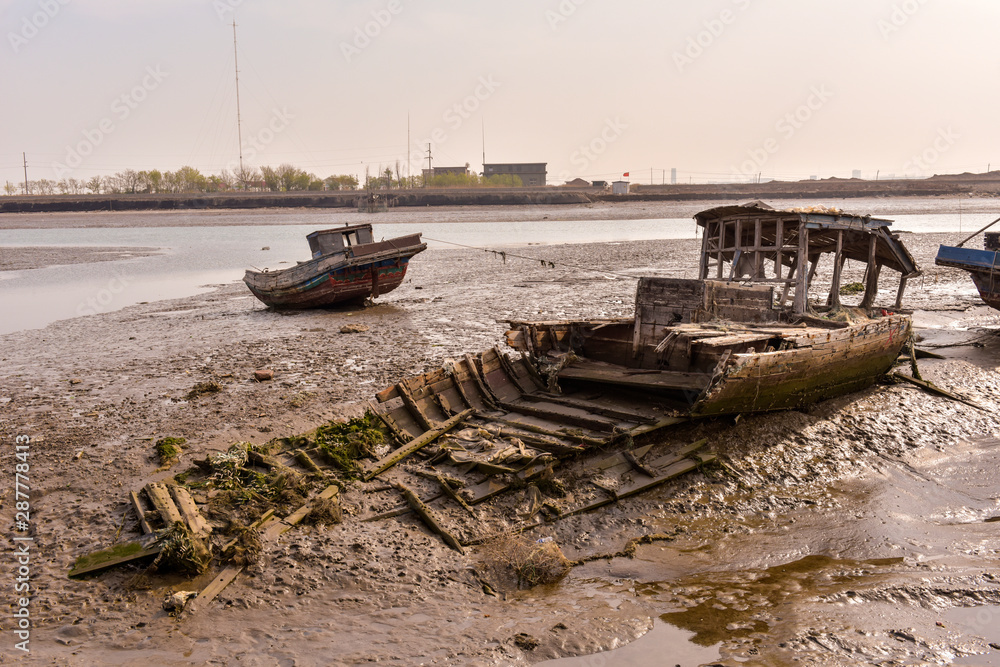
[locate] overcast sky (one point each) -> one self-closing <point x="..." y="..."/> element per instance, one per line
<point x="717" y="89"/>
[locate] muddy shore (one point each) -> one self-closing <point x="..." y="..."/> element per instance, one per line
<point x="855" y="532"/>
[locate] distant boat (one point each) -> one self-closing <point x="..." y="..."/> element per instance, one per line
<point x="347" y="265"/>
<point x="982" y="265"/>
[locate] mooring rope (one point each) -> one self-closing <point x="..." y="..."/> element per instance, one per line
<point x="504" y="254"/>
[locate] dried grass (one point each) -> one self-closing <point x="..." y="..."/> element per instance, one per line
<point x="512" y="560"/>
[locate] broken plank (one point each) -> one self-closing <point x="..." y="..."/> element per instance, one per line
<point x="681" y="466"/>
<point x="140" y="512"/>
<point x="425" y="513"/>
<point x="492" y="486"/>
<point x="413" y="408"/>
<point x="591" y="406"/>
<point x="930" y="387"/>
<point x="619" y="375"/>
<point x="575" y="437"/>
<point x="189" y="511"/>
<point x="161" y="500"/>
<point x="104" y="559"/>
<point x="414" y="445"/>
<point x="489" y="398"/>
<point x="592" y="423"/>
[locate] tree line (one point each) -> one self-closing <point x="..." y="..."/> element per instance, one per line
<point x="283" y="178"/>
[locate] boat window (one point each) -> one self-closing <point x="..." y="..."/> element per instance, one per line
<point x="351" y="238"/>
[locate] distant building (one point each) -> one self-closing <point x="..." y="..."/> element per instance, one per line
<point x="600" y="184"/>
<point x="856" y="173"/>
<point x="531" y="173"/>
<point x="619" y="188"/>
<point x="461" y="171"/>
<point x="578" y="183"/>
<point x="673" y="176"/>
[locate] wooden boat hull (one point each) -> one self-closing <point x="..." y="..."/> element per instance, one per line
<point x="351" y="276"/>
<point x="715" y="366"/>
<point x="982" y="265"/>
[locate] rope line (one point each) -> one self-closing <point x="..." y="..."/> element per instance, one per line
<point x="544" y="262"/>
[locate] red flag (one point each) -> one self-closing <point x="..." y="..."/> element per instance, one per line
<point x="625" y="175"/>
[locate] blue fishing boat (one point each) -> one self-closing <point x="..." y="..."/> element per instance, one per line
<point x="982" y="265"/>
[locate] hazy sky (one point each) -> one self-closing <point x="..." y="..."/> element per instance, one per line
<point x="716" y="88"/>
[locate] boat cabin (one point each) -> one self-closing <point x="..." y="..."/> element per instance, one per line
<point x="327" y="241"/>
<point x="754" y="243"/>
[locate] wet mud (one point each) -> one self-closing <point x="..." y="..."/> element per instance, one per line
<point x="855" y="532"/>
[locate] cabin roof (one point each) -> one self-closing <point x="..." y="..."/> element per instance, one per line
<point x="340" y="230"/>
<point x="824" y="226"/>
<point x="820" y="215"/>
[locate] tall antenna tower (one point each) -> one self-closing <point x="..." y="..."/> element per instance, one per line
<point x="239" y="123"/>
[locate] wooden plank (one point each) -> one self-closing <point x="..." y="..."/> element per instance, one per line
<point x="413" y="408"/>
<point x="592" y="371"/>
<point x="592" y="406"/>
<point x="140" y="512"/>
<point x="575" y="437"/>
<point x="508" y="368"/>
<point x="296" y="517"/>
<point x="429" y="519"/>
<point x="416" y="444"/>
<point x="592" y="423"/>
<point x="927" y="386"/>
<point x="160" y="497"/>
<point x="189" y="511"/>
<point x="488" y="396"/>
<point x="493" y="486"/>
<point x="104" y="559"/>
<point x="389" y="422"/>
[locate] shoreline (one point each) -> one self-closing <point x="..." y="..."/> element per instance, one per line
<point x="824" y="499"/>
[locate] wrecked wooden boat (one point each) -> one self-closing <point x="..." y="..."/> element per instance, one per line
<point x="982" y="265"/>
<point x="748" y="339"/>
<point x="347" y="266"/>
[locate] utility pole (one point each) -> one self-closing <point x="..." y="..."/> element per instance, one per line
<point x="239" y="123"/>
<point x="409" y="150"/>
<point x="484" y="147"/>
<point x="430" y="166"/>
<point x="26" y="190"/>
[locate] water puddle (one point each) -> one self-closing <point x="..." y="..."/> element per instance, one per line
<point x="665" y="644"/>
<point x="983" y="621"/>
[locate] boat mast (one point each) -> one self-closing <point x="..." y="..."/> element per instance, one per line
<point x="239" y="124"/>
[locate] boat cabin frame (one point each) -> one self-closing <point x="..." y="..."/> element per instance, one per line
<point x="757" y="244"/>
<point x="328" y="241"/>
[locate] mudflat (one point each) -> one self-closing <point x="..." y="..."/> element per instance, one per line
<point x="856" y="531"/>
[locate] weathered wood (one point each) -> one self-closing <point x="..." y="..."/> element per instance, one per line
<point x="592" y="406"/>
<point x="160" y="497"/>
<point x="838" y="267"/>
<point x="592" y="423"/>
<point x="593" y="371"/>
<point x="431" y="521"/>
<point x="189" y="511"/>
<point x="488" y="396"/>
<point x="293" y="519"/>
<point x="508" y="368"/>
<point x="566" y="435"/>
<point x="413" y="408"/>
<point x="389" y="422"/>
<point x="492" y="486"/>
<point x="933" y="389"/>
<point x="416" y="444"/>
<point x="634" y="462"/>
<point x="140" y="512"/>
<point x="454" y="495"/>
<point x="105" y="559"/>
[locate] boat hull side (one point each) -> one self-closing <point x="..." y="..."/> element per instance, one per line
<point x="339" y="285"/>
<point x="851" y="359"/>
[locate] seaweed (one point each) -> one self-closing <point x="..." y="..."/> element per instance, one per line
<point x="343" y="443"/>
<point x="168" y="449"/>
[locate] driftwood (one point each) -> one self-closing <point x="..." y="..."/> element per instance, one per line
<point x="416" y="444"/>
<point x="931" y="388"/>
<point x="425" y="513"/>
